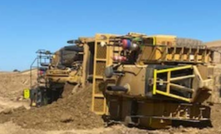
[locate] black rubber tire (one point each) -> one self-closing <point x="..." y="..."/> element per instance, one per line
<point x="67" y="52"/>
<point x="68" y="57"/>
<point x="185" y="42"/>
<point x="73" y="48"/>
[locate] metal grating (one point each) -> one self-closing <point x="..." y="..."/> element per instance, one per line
<point x="101" y="52"/>
<point x="99" y="104"/>
<point x="100" y="68"/>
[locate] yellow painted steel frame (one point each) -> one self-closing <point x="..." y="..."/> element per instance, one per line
<point x="100" y="61"/>
<point x="167" y="93"/>
<point x="102" y="58"/>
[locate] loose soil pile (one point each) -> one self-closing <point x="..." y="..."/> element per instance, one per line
<point x="72" y="112"/>
<point x="13" y="84"/>
<point x="216" y="116"/>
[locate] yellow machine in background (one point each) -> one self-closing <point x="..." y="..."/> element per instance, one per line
<point x="62" y="69"/>
<point x="62" y="72"/>
<point x="55" y="71"/>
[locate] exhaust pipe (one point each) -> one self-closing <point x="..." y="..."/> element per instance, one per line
<point x="117" y="88"/>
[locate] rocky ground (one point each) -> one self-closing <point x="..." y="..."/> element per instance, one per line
<point x="70" y="115"/>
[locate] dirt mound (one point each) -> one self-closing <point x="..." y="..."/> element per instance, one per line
<point x="13" y="84"/>
<point x="216" y="116"/>
<point x="214" y="43"/>
<point x="68" y="113"/>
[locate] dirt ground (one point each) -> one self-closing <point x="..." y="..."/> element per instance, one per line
<point x="13" y="83"/>
<point x="70" y="115"/>
<point x="70" y="112"/>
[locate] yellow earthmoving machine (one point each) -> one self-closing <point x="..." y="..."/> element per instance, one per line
<point x="66" y="65"/>
<point x="63" y="72"/>
<point x="151" y="81"/>
<point x="55" y="70"/>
